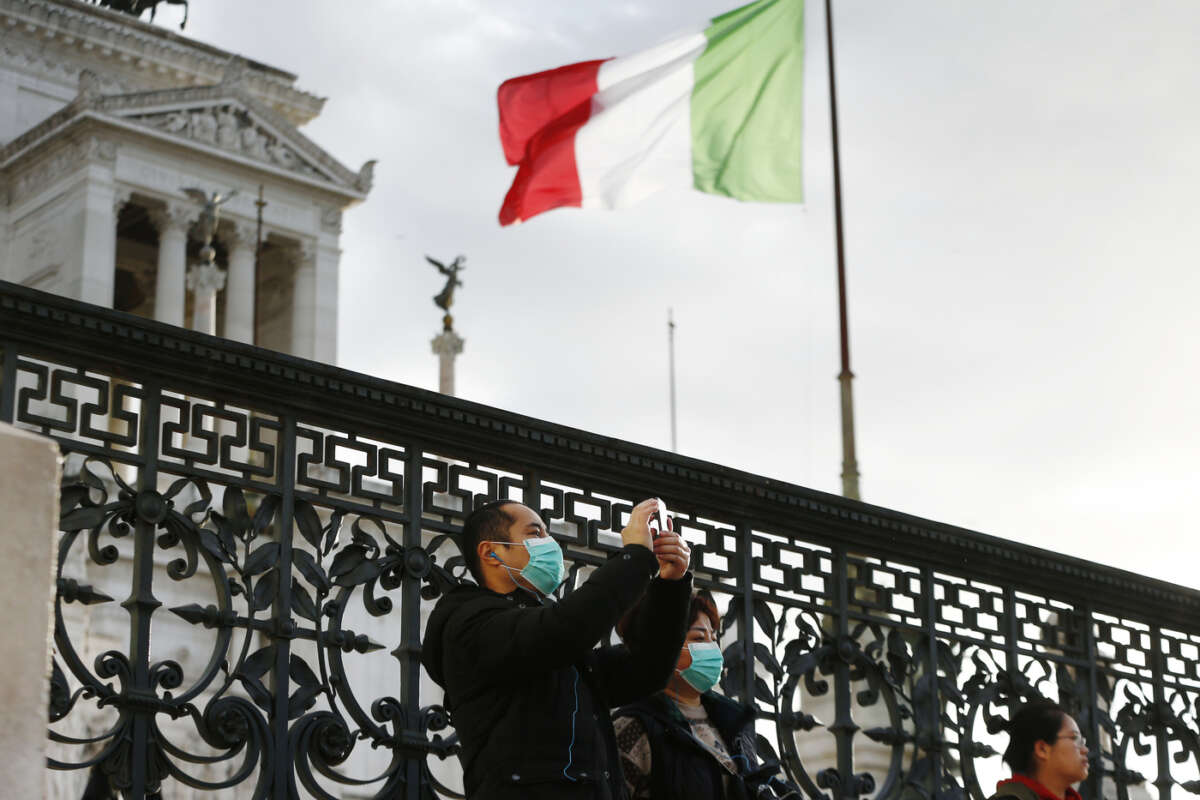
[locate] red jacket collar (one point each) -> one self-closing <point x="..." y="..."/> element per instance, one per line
<point x="1042" y="792"/>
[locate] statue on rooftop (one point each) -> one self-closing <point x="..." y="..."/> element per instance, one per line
<point x="137" y="7"/>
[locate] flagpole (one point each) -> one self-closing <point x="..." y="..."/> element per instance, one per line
<point x="671" y="359"/>
<point x="259" y="204"/>
<point x="845" y="377"/>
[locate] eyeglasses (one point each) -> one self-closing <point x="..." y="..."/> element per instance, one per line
<point x="1074" y="737"/>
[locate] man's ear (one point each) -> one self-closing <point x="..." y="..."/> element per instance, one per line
<point x="483" y="551"/>
<point x="1041" y="750"/>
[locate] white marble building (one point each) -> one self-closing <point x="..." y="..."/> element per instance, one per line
<point x="107" y="119"/>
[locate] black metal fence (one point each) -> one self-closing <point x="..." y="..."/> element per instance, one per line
<point x="250" y="542"/>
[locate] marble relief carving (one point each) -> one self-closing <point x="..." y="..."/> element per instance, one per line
<point x="230" y="128"/>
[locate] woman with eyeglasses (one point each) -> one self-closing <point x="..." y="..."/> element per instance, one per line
<point x="688" y="742"/>
<point x="1047" y="754"/>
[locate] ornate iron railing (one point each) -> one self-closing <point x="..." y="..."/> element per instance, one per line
<point x="250" y="542"/>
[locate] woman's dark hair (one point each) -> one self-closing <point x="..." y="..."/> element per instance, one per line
<point x="702" y="603"/>
<point x="1036" y="721"/>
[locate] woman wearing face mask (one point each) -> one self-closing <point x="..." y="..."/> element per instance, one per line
<point x="687" y="742"/>
<point x="1047" y="753"/>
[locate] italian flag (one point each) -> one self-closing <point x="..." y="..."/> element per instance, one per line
<point x="719" y="111"/>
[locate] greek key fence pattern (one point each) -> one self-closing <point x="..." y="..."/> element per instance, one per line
<point x="250" y="544"/>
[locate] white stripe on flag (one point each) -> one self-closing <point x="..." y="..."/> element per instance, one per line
<point x="639" y="139"/>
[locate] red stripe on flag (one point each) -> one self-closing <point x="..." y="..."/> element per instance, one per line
<point x="531" y="102"/>
<point x="539" y="115"/>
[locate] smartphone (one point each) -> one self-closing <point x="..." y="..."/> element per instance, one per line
<point x="658" y="520"/>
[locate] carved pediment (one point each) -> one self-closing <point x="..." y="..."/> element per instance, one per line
<point x="233" y="128"/>
<point x="221" y="117"/>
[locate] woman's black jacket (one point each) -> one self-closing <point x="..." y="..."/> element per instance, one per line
<point x="680" y="767"/>
<point x="528" y="689"/>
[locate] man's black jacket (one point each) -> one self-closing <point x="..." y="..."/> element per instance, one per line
<point x="529" y="690"/>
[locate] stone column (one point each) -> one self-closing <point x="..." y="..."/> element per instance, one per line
<point x="89" y="271"/>
<point x="446" y="346"/>
<point x="204" y="280"/>
<point x="328" y="256"/>
<point x="325" y="307"/>
<point x="172" y="222"/>
<point x="304" y="300"/>
<point x="29" y="474"/>
<point x="241" y="239"/>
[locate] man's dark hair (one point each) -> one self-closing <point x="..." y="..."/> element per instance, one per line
<point x="1036" y="721"/>
<point x="487" y="523"/>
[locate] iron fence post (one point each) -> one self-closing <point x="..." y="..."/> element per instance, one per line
<point x="936" y="739"/>
<point x="410" y="620"/>
<point x="8" y="383"/>
<point x="1159" y="716"/>
<point x="283" y="624"/>
<point x="1012" y="632"/>
<point x="1093" y="788"/>
<point x="746" y="623"/>
<point x="141" y="602"/>
<point x="843" y="726"/>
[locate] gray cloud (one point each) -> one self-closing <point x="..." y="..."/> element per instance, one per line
<point x="1021" y="238"/>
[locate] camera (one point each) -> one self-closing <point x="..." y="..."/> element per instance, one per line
<point x="658" y="520"/>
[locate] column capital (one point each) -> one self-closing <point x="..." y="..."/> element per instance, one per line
<point x="236" y="234"/>
<point x="302" y="253"/>
<point x="172" y="217"/>
<point x="447" y="344"/>
<point x="121" y="196"/>
<point x="205" y="278"/>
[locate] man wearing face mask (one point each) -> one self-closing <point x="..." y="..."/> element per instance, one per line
<point x="688" y="742"/>
<point x="527" y="686"/>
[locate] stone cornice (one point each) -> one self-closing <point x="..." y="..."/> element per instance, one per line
<point x="132" y="46"/>
<point x="43" y="324"/>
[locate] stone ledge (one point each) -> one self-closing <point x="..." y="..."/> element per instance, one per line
<point x="29" y="476"/>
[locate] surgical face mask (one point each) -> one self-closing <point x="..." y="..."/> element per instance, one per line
<point x="545" y="570"/>
<point x="706" y="666"/>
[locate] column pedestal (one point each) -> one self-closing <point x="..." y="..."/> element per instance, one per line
<point x="446" y="346"/>
<point x="204" y="281"/>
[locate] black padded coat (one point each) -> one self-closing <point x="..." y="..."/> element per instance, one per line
<point x="529" y="690"/>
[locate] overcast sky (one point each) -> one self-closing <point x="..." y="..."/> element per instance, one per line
<point x="1021" y="209"/>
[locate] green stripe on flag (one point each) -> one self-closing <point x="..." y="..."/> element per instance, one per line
<point x="747" y="104"/>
